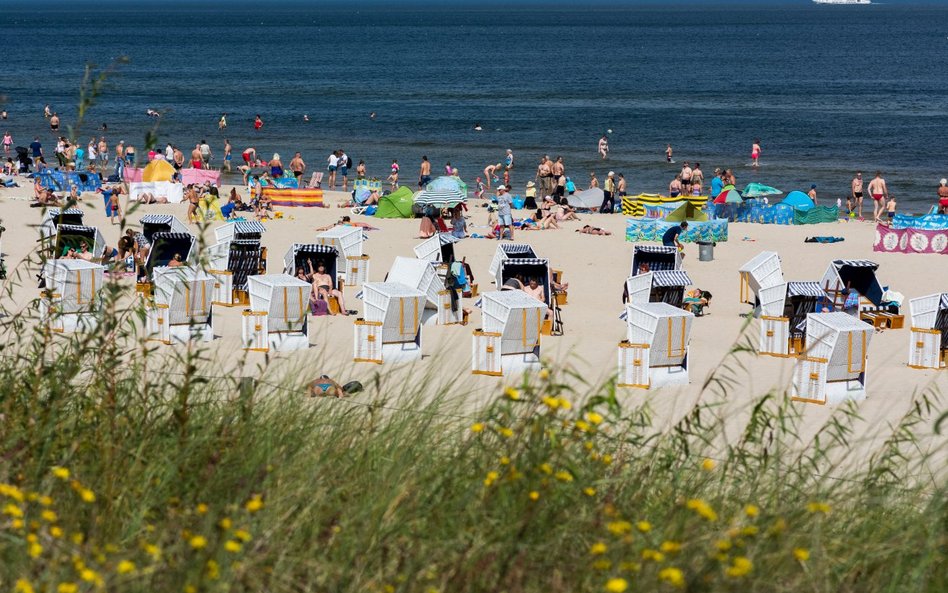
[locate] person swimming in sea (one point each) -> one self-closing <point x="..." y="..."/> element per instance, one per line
<point x="477" y="127"/>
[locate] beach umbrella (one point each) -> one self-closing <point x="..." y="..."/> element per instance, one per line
<point x="729" y="195"/>
<point x="759" y="190"/>
<point x="440" y="198"/>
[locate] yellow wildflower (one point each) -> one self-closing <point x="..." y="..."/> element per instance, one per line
<point x="197" y="542"/>
<point x="749" y="531"/>
<point x="801" y="554"/>
<point x="243" y="535"/>
<point x="17" y="524"/>
<point x="649" y="554"/>
<point x="45" y="500"/>
<point x="544" y="374"/>
<point x="233" y="546"/>
<point x="643" y="526"/>
<point x="225" y="523"/>
<point x="751" y="510"/>
<point x="48" y="516"/>
<point x="190" y="589"/>
<point x="673" y="576"/>
<point x="602" y="564"/>
<point x="708" y="464"/>
<point x="583" y="425"/>
<point x="670" y="547"/>
<point x="594" y="417"/>
<point x="779" y="526"/>
<point x="153" y="551"/>
<point x="702" y="508"/>
<point x="546" y="468"/>
<point x="11" y="491"/>
<point x="741" y="566"/>
<point x="565" y="404"/>
<point x="477" y="427"/>
<point x="504" y="460"/>
<point x="12" y="510"/>
<point x="550" y="402"/>
<point x="564" y="476"/>
<point x="125" y="567"/>
<point x="213" y="570"/>
<point x="589" y="491"/>
<point x="87" y="495"/>
<point x="254" y="504"/>
<point x="55" y="532"/>
<point x="77" y="538"/>
<point x="723" y="545"/>
<point x="818" y="507"/>
<point x="67" y="588"/>
<point x="512" y="394"/>
<point x="534" y="496"/>
<point x="60" y="472"/>
<point x="505" y="432"/>
<point x="88" y="575"/>
<point x="201" y="509"/>
<point x="23" y="586"/>
<point x="598" y="548"/>
<point x="616" y="585"/>
<point x="35" y="550"/>
<point x="492" y="477"/>
<point x="619" y="527"/>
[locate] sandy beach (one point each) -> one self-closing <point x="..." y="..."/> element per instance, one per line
<point x="595" y="268"/>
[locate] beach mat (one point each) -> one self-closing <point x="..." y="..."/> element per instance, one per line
<point x="294" y="198"/>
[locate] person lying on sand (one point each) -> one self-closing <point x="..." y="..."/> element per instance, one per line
<point x="326" y="387"/>
<point x="593" y="230"/>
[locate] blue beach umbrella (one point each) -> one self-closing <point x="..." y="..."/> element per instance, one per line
<point x="759" y="190"/>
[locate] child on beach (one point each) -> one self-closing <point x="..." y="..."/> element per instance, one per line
<point x="480" y="189"/>
<point x="114" y="205"/>
<point x="890" y="208"/>
<point x="393" y="177"/>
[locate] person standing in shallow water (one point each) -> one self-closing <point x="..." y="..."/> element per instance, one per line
<point x="604" y="147"/>
<point x="755" y="153"/>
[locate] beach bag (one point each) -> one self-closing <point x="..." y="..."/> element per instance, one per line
<point x="348" y="162"/>
<point x="319" y="307"/>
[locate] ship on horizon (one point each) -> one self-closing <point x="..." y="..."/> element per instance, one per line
<point x="842" y="1"/>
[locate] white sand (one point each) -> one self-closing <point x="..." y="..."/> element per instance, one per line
<point x="595" y="268"/>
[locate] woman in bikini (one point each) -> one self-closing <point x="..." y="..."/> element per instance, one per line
<point x="755" y="153"/>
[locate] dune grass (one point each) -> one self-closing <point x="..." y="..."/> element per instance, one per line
<point x="147" y="476"/>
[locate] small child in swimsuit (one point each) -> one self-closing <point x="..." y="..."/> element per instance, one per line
<point x="890" y="208"/>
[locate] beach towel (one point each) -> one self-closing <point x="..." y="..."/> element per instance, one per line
<point x="823" y="239"/>
<point x="294" y="197"/>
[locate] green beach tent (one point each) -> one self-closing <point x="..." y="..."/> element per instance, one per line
<point x="396" y="204"/>
<point x="686" y="211"/>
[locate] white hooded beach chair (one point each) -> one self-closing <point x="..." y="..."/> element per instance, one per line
<point x="655" y="258"/>
<point x="161" y="223"/>
<point x="390" y="331"/>
<point x="509" y="251"/>
<point x="278" y="315"/>
<point x="70" y="301"/>
<point x="855" y="274"/>
<point x="438" y="248"/>
<point x="762" y="271"/>
<point x="53" y="217"/>
<point x="182" y="308"/>
<point x="784" y="309"/>
<point x="71" y="236"/>
<point x="663" y="286"/>
<point x="928" y="348"/>
<point x="237" y="255"/>
<point x="351" y="263"/>
<point x="655" y="352"/>
<point x="509" y="341"/>
<point x="833" y="366"/>
<point x="418" y="274"/>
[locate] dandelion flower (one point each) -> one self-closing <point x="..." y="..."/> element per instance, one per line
<point x="12" y="510"/>
<point x="544" y="374"/>
<point x="751" y="510"/>
<point x="505" y="432"/>
<point x="492" y="477"/>
<point x="749" y="531"/>
<point x="616" y="585"/>
<point x="550" y="402"/>
<point x="48" y="516"/>
<point x="254" y="504"/>
<point x="504" y="460"/>
<point x="35" y="550"/>
<point x="243" y="535"/>
<point x="512" y="394"/>
<point x="583" y="425"/>
<point x="233" y="546"/>
<point x="670" y="547"/>
<point x="801" y="554"/>
<point x="67" y="588"/>
<point x="649" y="554"/>
<point x="60" y="472"/>
<point x="564" y="476"/>
<point x="190" y="589"/>
<point x="153" y="551"/>
<point x="673" y="576"/>
<point x="619" y="527"/>
<point x="477" y="427"/>
<point x="589" y="491"/>
<point x="225" y="523"/>
<point x="77" y="538"/>
<point x="88" y="575"/>
<point x="546" y="468"/>
<point x="23" y="586"/>
<point x="197" y="542"/>
<point x="565" y="404"/>
<point x="702" y="508"/>
<point x="55" y="532"/>
<point x="11" y="491"/>
<point x="125" y="567"/>
<point x="594" y="417"/>
<point x="534" y="496"/>
<point x="723" y="545"/>
<point x="213" y="570"/>
<point x="740" y="567"/>
<point x="598" y="548"/>
<point x="818" y="507"/>
<point x="45" y="500"/>
<point x="708" y="464"/>
<point x="201" y="509"/>
<point x="643" y="526"/>
<point x="87" y="495"/>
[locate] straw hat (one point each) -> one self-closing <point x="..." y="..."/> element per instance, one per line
<point x="531" y="184"/>
<point x="612" y="173"/>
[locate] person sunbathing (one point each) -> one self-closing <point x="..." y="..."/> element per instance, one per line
<point x="593" y="230"/>
<point x="566" y="212"/>
<point x="323" y="286"/>
<point x="534" y="289"/>
<point x="696" y="301"/>
<point x="176" y="261"/>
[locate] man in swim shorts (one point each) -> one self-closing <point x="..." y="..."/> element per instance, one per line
<point x="879" y="193"/>
<point x="857" y="192"/>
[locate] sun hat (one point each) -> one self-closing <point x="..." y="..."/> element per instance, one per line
<point x="531" y="184"/>
<point x="944" y="181"/>
<point x="612" y="173"/>
<point x="501" y="188"/>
